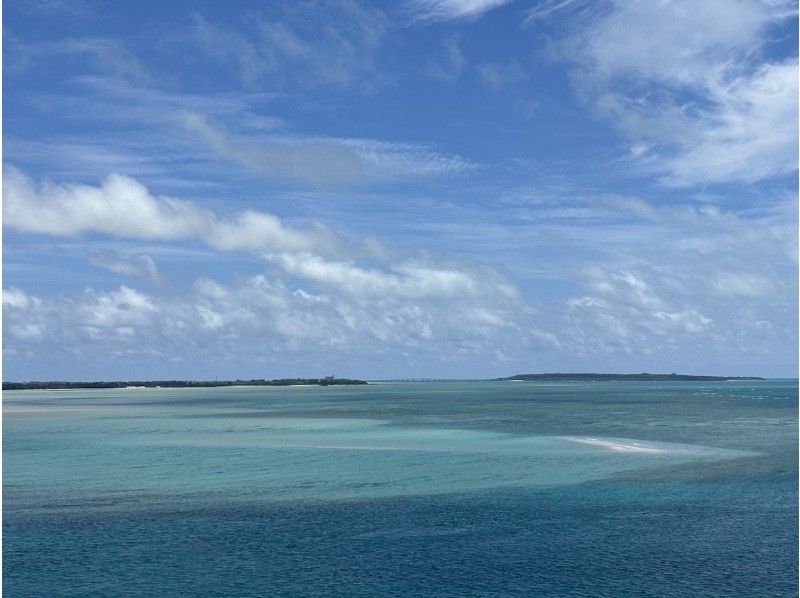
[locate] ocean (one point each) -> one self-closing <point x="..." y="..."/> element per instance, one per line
<point x="404" y="489"/>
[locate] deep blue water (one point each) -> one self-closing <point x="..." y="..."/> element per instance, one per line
<point x="501" y="489"/>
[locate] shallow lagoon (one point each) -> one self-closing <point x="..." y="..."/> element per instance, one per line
<point x="403" y="489"/>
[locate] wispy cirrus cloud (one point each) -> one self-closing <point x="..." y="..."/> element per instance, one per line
<point x="232" y="129"/>
<point x="326" y="161"/>
<point x="496" y="75"/>
<point x="104" y="54"/>
<point x="690" y="82"/>
<point x="448" y="10"/>
<point x="140" y="265"/>
<point x="449" y="62"/>
<point x="311" y="161"/>
<point x="297" y="45"/>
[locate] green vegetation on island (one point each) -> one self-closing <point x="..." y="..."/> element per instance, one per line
<point x="644" y="377"/>
<point x="327" y="381"/>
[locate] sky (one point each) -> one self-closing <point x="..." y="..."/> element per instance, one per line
<point x="427" y="188"/>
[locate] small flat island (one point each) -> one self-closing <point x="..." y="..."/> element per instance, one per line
<point x="644" y="377"/>
<point x="327" y="381"/>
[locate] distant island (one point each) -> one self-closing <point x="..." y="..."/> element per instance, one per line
<point x="644" y="377"/>
<point x="333" y="381"/>
<point x="327" y="381"/>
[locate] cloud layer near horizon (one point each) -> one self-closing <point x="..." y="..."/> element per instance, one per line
<point x="364" y="297"/>
<point x="345" y="292"/>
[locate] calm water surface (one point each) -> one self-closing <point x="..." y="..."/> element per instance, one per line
<point x="449" y="489"/>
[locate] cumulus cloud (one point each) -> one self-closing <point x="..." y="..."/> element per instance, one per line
<point x="686" y="283"/>
<point x="348" y="293"/>
<point x="706" y="279"/>
<point x="690" y="80"/>
<point x="22" y="317"/>
<point x="90" y="316"/>
<point x="121" y="310"/>
<point x="627" y="307"/>
<point x="123" y="207"/>
<point x="411" y="279"/>
<point x="259" y="316"/>
<point x="15" y="298"/>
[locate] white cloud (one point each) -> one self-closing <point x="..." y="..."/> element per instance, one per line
<point x="691" y="81"/>
<point x="302" y="45"/>
<point x="675" y="40"/>
<point x="628" y="307"/>
<point x="411" y="279"/>
<point x="326" y="161"/>
<point x="258" y="316"/>
<point x="497" y="76"/>
<point x="742" y="283"/>
<point x="203" y="129"/>
<point x="122" y="308"/>
<point x="123" y="207"/>
<point x="141" y="265"/>
<point x="695" y="284"/>
<point x="347" y="293"/>
<point x="106" y="55"/>
<point x="91" y="316"/>
<point x="16" y="298"/>
<point x="22" y="320"/>
<point x="384" y="161"/>
<point x="230" y="46"/>
<point x="448" y="63"/>
<point x="311" y="161"/>
<point x="447" y="10"/>
<point x="707" y="286"/>
<point x="751" y="133"/>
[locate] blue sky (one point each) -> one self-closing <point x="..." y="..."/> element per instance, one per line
<point x="430" y="188"/>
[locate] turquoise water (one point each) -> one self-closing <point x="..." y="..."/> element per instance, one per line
<point x="448" y="489"/>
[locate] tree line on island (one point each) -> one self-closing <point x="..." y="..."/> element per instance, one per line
<point x="327" y="381"/>
<point x="333" y="381"/>
<point x="643" y="377"/>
